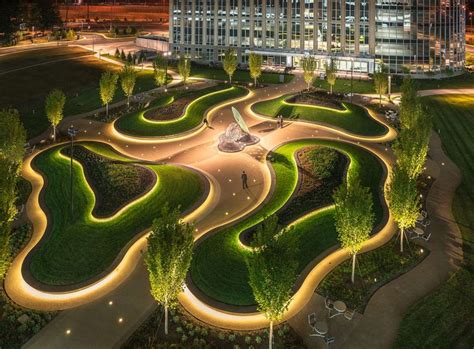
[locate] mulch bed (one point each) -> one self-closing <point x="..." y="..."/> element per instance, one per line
<point x="114" y="183"/>
<point x="170" y="112"/>
<point x="321" y="99"/>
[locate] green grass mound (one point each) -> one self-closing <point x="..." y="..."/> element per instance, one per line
<point x="80" y="247"/>
<point x="218" y="268"/>
<point x="137" y="125"/>
<point x="353" y="119"/>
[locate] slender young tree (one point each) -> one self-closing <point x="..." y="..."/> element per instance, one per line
<point x="128" y="78"/>
<point x="170" y="249"/>
<point x="255" y="66"/>
<point x="308" y="63"/>
<point x="381" y="81"/>
<point x="184" y="68"/>
<point x="408" y="103"/>
<point x="403" y="201"/>
<point x="160" y="70"/>
<point x="230" y="62"/>
<point x="54" y="108"/>
<point x="272" y="267"/>
<point x="331" y="77"/>
<point x="354" y="217"/>
<point x="108" y="86"/>
<point x="12" y="140"/>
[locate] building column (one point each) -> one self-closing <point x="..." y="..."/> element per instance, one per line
<point x="215" y="15"/>
<point x="204" y="24"/>
<point x="170" y="21"/>
<point x="372" y="27"/>
<point x="302" y="25"/>
<point x="289" y="22"/>
<point x="315" y="24"/>
<point x="252" y="23"/>
<point x="183" y="16"/>
<point x="277" y="24"/>
<point x="193" y="23"/>
<point x="329" y="24"/>
<point x="343" y="26"/>
<point x="264" y="23"/>
<point x="357" y="27"/>
<point x="227" y="22"/>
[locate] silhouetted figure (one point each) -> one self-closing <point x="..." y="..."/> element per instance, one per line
<point x="206" y="122"/>
<point x="244" y="180"/>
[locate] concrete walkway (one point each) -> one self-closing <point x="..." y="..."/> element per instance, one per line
<point x="94" y="323"/>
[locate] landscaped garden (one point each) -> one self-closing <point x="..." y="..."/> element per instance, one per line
<point x="445" y="317"/>
<point x="73" y="252"/>
<point x="353" y="118"/>
<point x="141" y="123"/>
<point x="218" y="268"/>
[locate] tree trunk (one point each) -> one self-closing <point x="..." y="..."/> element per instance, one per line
<point x="270" y="336"/>
<point x="230" y="79"/>
<point x="402" y="233"/>
<point x="166" y="318"/>
<point x="107" y="109"/>
<point x="255" y="82"/>
<point x="128" y="101"/>
<point x="380" y="103"/>
<point x="353" y="267"/>
<point x="54" y="133"/>
<point x="330" y="88"/>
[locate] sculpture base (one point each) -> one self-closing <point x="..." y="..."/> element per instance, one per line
<point x="227" y="145"/>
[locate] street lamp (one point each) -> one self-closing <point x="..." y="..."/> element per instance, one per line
<point x="72" y="132"/>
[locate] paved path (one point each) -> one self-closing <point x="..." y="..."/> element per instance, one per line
<point x="128" y="285"/>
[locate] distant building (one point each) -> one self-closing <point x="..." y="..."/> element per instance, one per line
<point x="407" y="35"/>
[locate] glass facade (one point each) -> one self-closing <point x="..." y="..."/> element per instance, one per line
<point x="407" y="35"/>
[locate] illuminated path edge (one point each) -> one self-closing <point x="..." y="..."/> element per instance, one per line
<point x="24" y="294"/>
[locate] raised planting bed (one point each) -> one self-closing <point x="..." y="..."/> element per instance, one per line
<point x="317" y="98"/>
<point x="136" y="124"/>
<point x="114" y="182"/>
<point x="373" y="270"/>
<point x="354" y="118"/>
<point x="185" y="331"/>
<point x="78" y="247"/>
<point x="218" y="270"/>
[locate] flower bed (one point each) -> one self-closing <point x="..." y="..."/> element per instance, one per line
<point x="318" y="98"/>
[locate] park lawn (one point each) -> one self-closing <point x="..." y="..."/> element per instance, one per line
<point x="344" y="85"/>
<point x="242" y="76"/>
<point x="27" y="89"/>
<point x="137" y="125"/>
<point x="445" y="318"/>
<point x="218" y="268"/>
<point x="355" y="119"/>
<point x="79" y="248"/>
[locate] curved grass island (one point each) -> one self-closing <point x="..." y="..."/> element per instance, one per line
<point x="218" y="270"/>
<point x="78" y="248"/>
<point x="347" y="116"/>
<point x="139" y="125"/>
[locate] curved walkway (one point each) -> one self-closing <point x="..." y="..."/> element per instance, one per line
<point x="200" y="151"/>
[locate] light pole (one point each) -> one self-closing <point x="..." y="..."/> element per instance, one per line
<point x="72" y="132"/>
<point x="389" y="85"/>
<point x="352" y="77"/>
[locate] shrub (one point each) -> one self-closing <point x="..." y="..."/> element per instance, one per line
<point x="324" y="161"/>
<point x="258" y="339"/>
<point x="176" y="319"/>
<point x="231" y="337"/>
<point x="236" y="346"/>
<point x="122" y="56"/>
<point x="221" y="336"/>
<point x="204" y="331"/>
<point x="191" y="333"/>
<point x="184" y="338"/>
<point x="248" y="339"/>
<point x="129" y="57"/>
<point x="280" y="332"/>
<point x="117" y="53"/>
<point x="179" y="329"/>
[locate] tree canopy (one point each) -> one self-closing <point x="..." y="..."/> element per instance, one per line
<point x="354" y="216"/>
<point x="184" y="68"/>
<point x="381" y="80"/>
<point x="272" y="267"/>
<point x="330" y="70"/>
<point x="55" y="102"/>
<point x="308" y="63"/>
<point x="107" y="88"/>
<point x="128" y="78"/>
<point x="230" y="62"/>
<point x="255" y="66"/>
<point x="160" y="69"/>
<point x="170" y="249"/>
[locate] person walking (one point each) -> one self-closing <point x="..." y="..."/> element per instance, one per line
<point x="244" y="180"/>
<point x="206" y="122"/>
<point x="281" y="121"/>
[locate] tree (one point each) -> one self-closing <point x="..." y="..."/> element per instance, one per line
<point x="331" y="71"/>
<point x="272" y="267"/>
<point x="381" y="81"/>
<point x="184" y="68"/>
<point x="408" y="103"/>
<point x="308" y="63"/>
<point x="412" y="145"/>
<point x="108" y="86"/>
<point x="403" y="201"/>
<point x="230" y="62"/>
<point x="12" y="140"/>
<point x="70" y="35"/>
<point x="9" y="19"/>
<point x="160" y="69"/>
<point x="128" y="77"/>
<point x="54" y="108"/>
<point x="255" y="66"/>
<point x="354" y="217"/>
<point x="169" y="254"/>
<point x="129" y="57"/>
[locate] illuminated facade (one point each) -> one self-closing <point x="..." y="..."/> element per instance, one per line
<point x="407" y="35"/>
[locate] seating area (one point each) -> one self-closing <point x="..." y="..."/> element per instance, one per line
<point x="419" y="231"/>
<point x="319" y="324"/>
